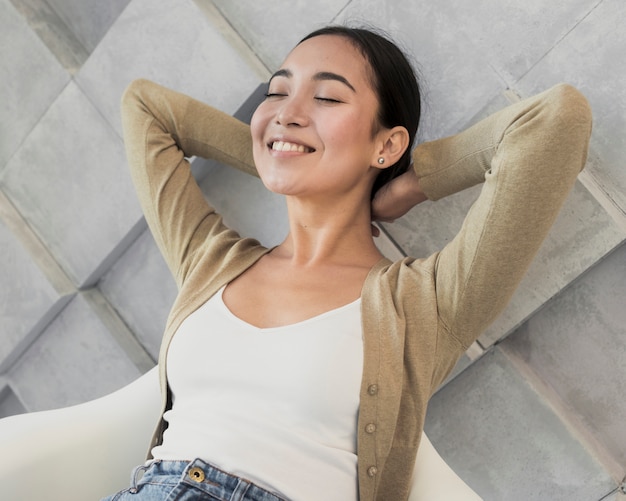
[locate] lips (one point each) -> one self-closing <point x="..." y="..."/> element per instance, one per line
<point x="290" y="147"/>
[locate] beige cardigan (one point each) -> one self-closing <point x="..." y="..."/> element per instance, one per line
<point x="419" y="315"/>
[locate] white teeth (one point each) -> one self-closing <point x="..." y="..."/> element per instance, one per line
<point x="285" y="146"/>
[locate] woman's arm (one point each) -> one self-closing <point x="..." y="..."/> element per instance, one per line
<point x="528" y="156"/>
<point x="397" y="197"/>
<point x="161" y="128"/>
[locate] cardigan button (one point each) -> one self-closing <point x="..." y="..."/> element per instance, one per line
<point x="370" y="428"/>
<point x="372" y="389"/>
<point x="372" y="471"/>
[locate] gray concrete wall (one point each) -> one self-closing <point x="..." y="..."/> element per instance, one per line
<point x="536" y="410"/>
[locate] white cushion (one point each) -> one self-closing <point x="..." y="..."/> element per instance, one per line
<point x="86" y="452"/>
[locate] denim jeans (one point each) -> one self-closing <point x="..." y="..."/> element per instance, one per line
<point x="189" y="481"/>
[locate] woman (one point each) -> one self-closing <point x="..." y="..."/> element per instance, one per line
<point x="281" y="367"/>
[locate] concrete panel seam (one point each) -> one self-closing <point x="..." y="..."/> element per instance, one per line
<point x="6" y="392"/>
<point x="232" y="36"/>
<point x="565" y="35"/>
<point x="620" y="489"/>
<point x="62" y="42"/>
<point x="604" y="198"/>
<point x="512" y="95"/>
<point x="35" y="247"/>
<point x="567" y="416"/>
<point x="5" y="388"/>
<point x="114" y="255"/>
<point x="35" y="123"/>
<point x="105" y="119"/>
<point x="338" y="15"/>
<point x="386" y="242"/>
<point x="35" y="332"/>
<point x="118" y="329"/>
<point x="475" y="351"/>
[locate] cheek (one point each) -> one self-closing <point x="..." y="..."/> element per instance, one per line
<point x="257" y="128"/>
<point x="350" y="132"/>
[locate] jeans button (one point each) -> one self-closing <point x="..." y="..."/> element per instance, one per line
<point x="196" y="474"/>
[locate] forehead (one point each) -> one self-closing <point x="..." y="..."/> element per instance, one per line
<point x="329" y="53"/>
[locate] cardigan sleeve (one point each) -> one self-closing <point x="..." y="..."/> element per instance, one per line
<point x="161" y="128"/>
<point x="528" y="156"/>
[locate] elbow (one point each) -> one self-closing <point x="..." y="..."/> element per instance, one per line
<point x="573" y="106"/>
<point x="572" y="120"/>
<point x="134" y="106"/>
<point x="136" y="96"/>
<point x="134" y="90"/>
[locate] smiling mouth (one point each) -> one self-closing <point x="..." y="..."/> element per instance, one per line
<point x="291" y="147"/>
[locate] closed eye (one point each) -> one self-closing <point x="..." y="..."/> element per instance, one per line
<point x="270" y="95"/>
<point x="328" y="100"/>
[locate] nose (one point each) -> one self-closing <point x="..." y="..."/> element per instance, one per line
<point x="292" y="112"/>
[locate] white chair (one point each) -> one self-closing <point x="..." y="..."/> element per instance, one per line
<point x="85" y="452"/>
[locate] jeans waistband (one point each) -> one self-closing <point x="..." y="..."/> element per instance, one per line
<point x="205" y="477"/>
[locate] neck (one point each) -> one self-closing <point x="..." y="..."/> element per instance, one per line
<point x="329" y="233"/>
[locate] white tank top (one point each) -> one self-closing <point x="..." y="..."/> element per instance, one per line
<point x="277" y="406"/>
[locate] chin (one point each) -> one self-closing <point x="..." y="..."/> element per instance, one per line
<point x="281" y="183"/>
<point x="277" y="186"/>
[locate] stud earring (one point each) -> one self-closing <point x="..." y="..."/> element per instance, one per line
<point x="381" y="160"/>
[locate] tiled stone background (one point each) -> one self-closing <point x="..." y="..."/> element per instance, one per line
<point x="539" y="411"/>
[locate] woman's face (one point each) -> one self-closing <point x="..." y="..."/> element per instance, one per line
<point x="313" y="135"/>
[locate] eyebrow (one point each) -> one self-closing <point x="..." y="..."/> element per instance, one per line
<point x="322" y="75"/>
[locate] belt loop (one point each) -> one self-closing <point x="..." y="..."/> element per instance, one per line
<point x="135" y="475"/>
<point x="240" y="491"/>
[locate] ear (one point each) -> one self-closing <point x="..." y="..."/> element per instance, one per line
<point x="392" y="143"/>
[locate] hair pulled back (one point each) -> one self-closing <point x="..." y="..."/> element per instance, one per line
<point x="395" y="83"/>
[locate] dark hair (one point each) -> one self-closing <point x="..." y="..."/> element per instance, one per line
<point x="395" y="83"/>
